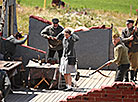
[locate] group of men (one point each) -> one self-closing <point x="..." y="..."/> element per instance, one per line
<point x="126" y="53"/>
<point x="125" y="57"/>
<point x="62" y="41"/>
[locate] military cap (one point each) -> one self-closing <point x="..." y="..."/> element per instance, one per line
<point x="129" y="21"/>
<point x="55" y="20"/>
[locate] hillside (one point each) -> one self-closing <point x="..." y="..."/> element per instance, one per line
<point x="72" y="17"/>
<point x="122" y="6"/>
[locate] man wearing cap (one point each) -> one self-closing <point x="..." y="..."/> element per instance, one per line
<point x="50" y="32"/>
<point x="120" y="58"/>
<point x="133" y="50"/>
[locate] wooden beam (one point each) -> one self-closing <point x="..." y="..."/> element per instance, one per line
<point x="12" y="20"/>
<point x="44" y="4"/>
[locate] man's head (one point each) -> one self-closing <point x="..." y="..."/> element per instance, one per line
<point x="115" y="39"/>
<point x="67" y="33"/>
<point x="129" y="23"/>
<point x="18" y="35"/>
<point x="55" y="22"/>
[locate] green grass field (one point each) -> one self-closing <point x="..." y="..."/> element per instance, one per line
<point x="107" y="5"/>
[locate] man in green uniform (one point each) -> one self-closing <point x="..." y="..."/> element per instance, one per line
<point x="120" y="58"/>
<point x="50" y="32"/>
<point x="128" y="38"/>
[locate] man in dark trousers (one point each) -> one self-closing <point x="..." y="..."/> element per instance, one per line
<point x="50" y="32"/>
<point x="128" y="38"/>
<point x="8" y="49"/>
<point x="8" y="46"/>
<point x="4" y="85"/>
<point x="120" y="58"/>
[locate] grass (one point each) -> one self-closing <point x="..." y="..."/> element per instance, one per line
<point x="74" y="18"/>
<point x="97" y="13"/>
<point x="122" y="6"/>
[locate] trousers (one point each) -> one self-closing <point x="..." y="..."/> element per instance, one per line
<point x="121" y="72"/>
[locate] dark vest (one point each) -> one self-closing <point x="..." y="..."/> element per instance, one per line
<point x="7" y="48"/>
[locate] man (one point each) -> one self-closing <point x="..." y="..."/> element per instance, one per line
<point x="120" y="58"/>
<point x="8" y="49"/>
<point x="127" y="38"/>
<point x="8" y="46"/>
<point x="61" y="4"/>
<point x="4" y="85"/>
<point x="50" y="32"/>
<point x="68" y="59"/>
<point x="55" y="3"/>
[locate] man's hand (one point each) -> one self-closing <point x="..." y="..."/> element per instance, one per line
<point x="53" y="38"/>
<point x="49" y="37"/>
<point x="131" y="37"/>
<point x="109" y="63"/>
<point x="136" y="29"/>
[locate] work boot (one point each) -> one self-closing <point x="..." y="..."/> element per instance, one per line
<point x="77" y="76"/>
<point x="126" y="77"/>
<point x="132" y="75"/>
<point x="135" y="75"/>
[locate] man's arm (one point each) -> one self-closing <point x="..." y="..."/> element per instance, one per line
<point x="136" y="31"/>
<point x="117" y="55"/>
<point x="16" y="41"/>
<point x="45" y="33"/>
<point x="75" y="37"/>
<point x="60" y="36"/>
<point x="125" y="40"/>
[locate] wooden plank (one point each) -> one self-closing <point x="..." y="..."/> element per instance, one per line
<point x="106" y="80"/>
<point x="93" y="80"/>
<point x="64" y="96"/>
<point x="81" y="80"/>
<point x="85" y="82"/>
<point x="80" y="89"/>
<point x="11" y="98"/>
<point x="101" y="82"/>
<point x="112" y="78"/>
<point x="88" y="83"/>
<point x="52" y="96"/>
<point x="40" y="95"/>
<point x="36" y="95"/>
<point x="40" y="99"/>
<point x="22" y="98"/>
<point x="35" y="98"/>
<point x="29" y="98"/>
<point x="46" y="96"/>
<point x="95" y="86"/>
<point x="58" y="95"/>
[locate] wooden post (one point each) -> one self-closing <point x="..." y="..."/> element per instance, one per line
<point x="44" y="4"/>
<point x="130" y="10"/>
<point x="12" y="19"/>
<point x="8" y="20"/>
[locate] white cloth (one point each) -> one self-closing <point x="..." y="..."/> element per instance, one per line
<point x="65" y="68"/>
